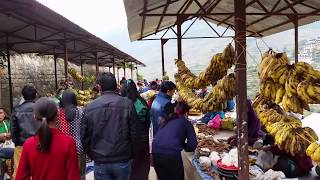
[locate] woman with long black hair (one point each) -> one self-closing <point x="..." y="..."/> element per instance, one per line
<point x="69" y="122"/>
<point x="170" y="140"/>
<point x="141" y="161"/>
<point x="49" y="154"/>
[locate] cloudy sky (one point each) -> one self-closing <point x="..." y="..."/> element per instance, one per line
<point x="107" y="20"/>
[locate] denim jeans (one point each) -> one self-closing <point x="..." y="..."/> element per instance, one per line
<point x="6" y="153"/>
<point x="112" y="171"/>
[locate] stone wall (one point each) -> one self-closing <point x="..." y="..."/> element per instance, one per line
<point x="39" y="72"/>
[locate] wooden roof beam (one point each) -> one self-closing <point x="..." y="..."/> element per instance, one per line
<point x="286" y="22"/>
<point x="161" y="18"/>
<point x="282" y="9"/>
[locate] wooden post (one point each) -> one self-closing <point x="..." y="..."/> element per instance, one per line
<point x="114" y="66"/>
<point x="124" y="68"/>
<point x="179" y="36"/>
<point x="241" y="79"/>
<point x="9" y="75"/>
<point x="97" y="64"/>
<point x="66" y="63"/>
<point x="118" y="75"/>
<point x="163" y="42"/>
<point x="81" y="71"/>
<point x="296" y="39"/>
<point x="131" y="68"/>
<point x="55" y="57"/>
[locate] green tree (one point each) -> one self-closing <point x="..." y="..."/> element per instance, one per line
<point x="139" y="77"/>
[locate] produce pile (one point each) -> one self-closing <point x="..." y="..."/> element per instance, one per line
<point x="211" y="145"/>
<point x="208" y="150"/>
<point x="294" y="87"/>
<point x="85" y="79"/>
<point x="204" y="129"/>
<point x="83" y="96"/>
<point x="221" y="91"/>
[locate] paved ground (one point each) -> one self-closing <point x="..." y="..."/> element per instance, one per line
<point x="152" y="175"/>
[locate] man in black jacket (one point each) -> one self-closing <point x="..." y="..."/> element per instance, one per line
<point x="23" y="124"/>
<point x="108" y="131"/>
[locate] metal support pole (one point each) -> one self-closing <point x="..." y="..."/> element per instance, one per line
<point x="114" y="66"/>
<point x="163" y="42"/>
<point x="55" y="57"/>
<point x="296" y="39"/>
<point x="81" y="71"/>
<point x="9" y="76"/>
<point x="241" y="79"/>
<point x="124" y="68"/>
<point x="97" y="64"/>
<point x="66" y="63"/>
<point x="179" y="36"/>
<point x="109" y="68"/>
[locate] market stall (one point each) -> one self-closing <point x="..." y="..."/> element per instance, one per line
<point x="255" y="17"/>
<point x="30" y="27"/>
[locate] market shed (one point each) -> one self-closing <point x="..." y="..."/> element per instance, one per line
<point x="30" y="27"/>
<point x="146" y="17"/>
<point x="253" y="18"/>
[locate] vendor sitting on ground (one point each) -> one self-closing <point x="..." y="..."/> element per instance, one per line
<point x="254" y="127"/>
<point x="292" y="166"/>
<point x="170" y="140"/>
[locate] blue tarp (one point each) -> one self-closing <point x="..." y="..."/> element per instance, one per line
<point x="201" y="173"/>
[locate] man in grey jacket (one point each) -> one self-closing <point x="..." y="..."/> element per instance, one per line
<point x="23" y="124"/>
<point x="108" y="131"/>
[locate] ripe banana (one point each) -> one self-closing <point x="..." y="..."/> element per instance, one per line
<point x="312" y="148"/>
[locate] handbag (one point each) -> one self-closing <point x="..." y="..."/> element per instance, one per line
<point x="7" y="143"/>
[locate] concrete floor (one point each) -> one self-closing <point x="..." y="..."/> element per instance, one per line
<point x="152" y="175"/>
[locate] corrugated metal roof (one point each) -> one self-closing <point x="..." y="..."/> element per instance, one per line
<point x="147" y="17"/>
<point x="31" y="27"/>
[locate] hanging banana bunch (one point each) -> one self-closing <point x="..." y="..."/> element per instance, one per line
<point x="85" y="79"/>
<point x="295" y="140"/>
<point x="295" y="86"/>
<point x="217" y="69"/>
<point x="215" y="101"/>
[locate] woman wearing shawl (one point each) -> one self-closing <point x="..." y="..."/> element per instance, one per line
<point x="69" y="122"/>
<point x="254" y="127"/>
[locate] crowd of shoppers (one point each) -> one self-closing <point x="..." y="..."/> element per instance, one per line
<point x="52" y="137"/>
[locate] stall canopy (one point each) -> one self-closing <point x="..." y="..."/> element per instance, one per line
<point x="30" y="27"/>
<point x="264" y="17"/>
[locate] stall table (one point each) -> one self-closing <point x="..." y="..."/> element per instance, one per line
<point x="190" y="171"/>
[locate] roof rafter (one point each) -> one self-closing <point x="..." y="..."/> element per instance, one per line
<point x="286" y="22"/>
<point x="282" y="9"/>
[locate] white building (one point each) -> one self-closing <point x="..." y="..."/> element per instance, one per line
<point x="307" y="54"/>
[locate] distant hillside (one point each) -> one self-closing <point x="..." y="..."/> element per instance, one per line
<point x="198" y="52"/>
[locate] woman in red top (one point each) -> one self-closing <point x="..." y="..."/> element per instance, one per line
<point x="50" y="154"/>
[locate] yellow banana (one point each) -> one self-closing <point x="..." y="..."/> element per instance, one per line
<point x="312" y="148"/>
<point x="316" y="155"/>
<point x="279" y="94"/>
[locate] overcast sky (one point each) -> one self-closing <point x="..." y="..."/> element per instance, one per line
<point x="107" y="20"/>
<point x="96" y="16"/>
